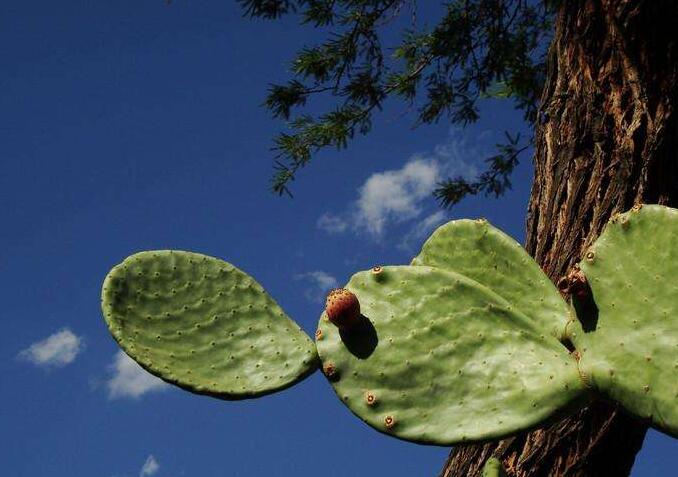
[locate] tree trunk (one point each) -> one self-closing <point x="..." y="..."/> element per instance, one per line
<point x="606" y="140"/>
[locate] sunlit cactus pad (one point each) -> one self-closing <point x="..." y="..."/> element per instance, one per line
<point x="630" y="350"/>
<point x="202" y="324"/>
<point x="441" y="359"/>
<point x="478" y="250"/>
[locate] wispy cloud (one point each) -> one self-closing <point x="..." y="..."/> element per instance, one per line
<point x="403" y="195"/>
<point x="128" y="379"/>
<point x="332" y="224"/>
<point x="319" y="284"/>
<point x="422" y="229"/>
<point x="150" y="467"/>
<point x="56" y="350"/>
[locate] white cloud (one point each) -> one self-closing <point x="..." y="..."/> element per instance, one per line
<point x="401" y="195"/>
<point x="128" y="379"/>
<point x="422" y="229"/>
<point x="56" y="350"/>
<point x="320" y="283"/>
<point x="395" y="195"/>
<point x="150" y="467"/>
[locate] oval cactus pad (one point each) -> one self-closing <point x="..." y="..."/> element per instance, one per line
<point x="476" y="249"/>
<point x="204" y="325"/>
<point x="439" y="358"/>
<point x="630" y="349"/>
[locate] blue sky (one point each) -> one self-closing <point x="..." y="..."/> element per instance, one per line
<point x="134" y="125"/>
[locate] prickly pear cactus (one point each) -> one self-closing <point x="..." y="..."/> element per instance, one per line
<point x="478" y="250"/>
<point x="465" y="344"/>
<point x="629" y="348"/>
<point x="202" y="324"/>
<point x="439" y="358"/>
<point x="493" y="468"/>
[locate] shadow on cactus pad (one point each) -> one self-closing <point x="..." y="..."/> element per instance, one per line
<point x="360" y="340"/>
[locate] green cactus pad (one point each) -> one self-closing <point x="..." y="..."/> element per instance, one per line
<point x="630" y="349"/>
<point x="440" y="359"/>
<point x="204" y="325"/>
<point x="493" y="468"/>
<point x="478" y="250"/>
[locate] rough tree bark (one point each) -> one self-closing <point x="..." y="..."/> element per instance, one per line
<point x="606" y="141"/>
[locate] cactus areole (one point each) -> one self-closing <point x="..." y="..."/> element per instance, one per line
<point x="342" y="308"/>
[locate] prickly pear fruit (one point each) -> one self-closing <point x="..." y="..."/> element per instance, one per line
<point x="342" y="308"/>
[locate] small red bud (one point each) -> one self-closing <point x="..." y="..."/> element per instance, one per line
<point x="342" y="308"/>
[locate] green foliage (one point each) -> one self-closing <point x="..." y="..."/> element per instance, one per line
<point x="202" y="324"/>
<point x="495" y="180"/>
<point x="629" y="340"/>
<point x="478" y="49"/>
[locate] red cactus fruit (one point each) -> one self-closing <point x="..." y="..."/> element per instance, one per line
<point x="342" y="308"/>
